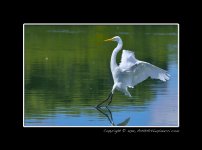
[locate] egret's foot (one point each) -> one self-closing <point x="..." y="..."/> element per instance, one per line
<point x="97" y="106"/>
<point x="108" y="98"/>
<point x="100" y="105"/>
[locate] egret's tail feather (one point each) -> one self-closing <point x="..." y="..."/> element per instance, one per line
<point x="127" y="93"/>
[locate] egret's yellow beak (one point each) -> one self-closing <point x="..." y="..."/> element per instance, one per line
<point x="108" y="40"/>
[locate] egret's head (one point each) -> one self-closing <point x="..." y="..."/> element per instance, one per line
<point x="116" y="38"/>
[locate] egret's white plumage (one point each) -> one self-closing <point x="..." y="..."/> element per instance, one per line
<point x="131" y="71"/>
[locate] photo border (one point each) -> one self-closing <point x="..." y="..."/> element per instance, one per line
<point x="145" y="127"/>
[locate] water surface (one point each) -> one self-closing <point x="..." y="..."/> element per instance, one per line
<point x="66" y="74"/>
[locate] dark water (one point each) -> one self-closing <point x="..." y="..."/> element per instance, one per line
<point x="66" y="74"/>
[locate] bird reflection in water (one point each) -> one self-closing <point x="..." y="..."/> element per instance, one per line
<point x="107" y="112"/>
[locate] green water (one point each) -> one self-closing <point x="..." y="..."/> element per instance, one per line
<point x="67" y="73"/>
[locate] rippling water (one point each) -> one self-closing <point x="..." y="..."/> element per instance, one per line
<point x="66" y="74"/>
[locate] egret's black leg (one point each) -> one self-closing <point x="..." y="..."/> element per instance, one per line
<point x="104" y="112"/>
<point x="110" y="113"/>
<point x="111" y="120"/>
<point x="110" y="94"/>
<point x="110" y="99"/>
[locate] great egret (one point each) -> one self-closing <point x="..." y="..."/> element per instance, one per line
<point x="130" y="71"/>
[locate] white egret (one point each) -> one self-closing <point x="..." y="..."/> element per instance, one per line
<point x="130" y="71"/>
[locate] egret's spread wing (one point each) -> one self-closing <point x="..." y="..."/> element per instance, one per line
<point x="127" y="60"/>
<point x="142" y="70"/>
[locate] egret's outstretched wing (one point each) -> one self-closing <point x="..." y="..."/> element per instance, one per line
<point x="127" y="60"/>
<point x="141" y="70"/>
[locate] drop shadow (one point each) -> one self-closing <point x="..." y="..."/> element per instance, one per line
<point x="108" y="114"/>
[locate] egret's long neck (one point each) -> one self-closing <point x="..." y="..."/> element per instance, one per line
<point x="113" y="63"/>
